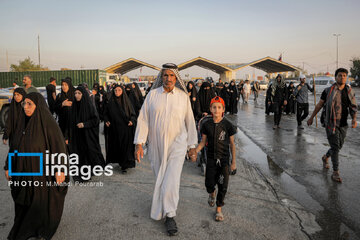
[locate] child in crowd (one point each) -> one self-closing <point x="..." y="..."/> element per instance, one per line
<point x="218" y="133"/>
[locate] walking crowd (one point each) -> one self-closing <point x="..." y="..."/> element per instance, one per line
<point x="165" y="120"/>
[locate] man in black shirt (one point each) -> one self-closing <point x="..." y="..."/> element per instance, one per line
<point x="278" y="95"/>
<point x="338" y="101"/>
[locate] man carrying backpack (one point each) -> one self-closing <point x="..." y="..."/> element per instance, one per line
<point x="338" y="101"/>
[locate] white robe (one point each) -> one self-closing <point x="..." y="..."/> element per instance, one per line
<point x="247" y="88"/>
<point x="166" y="120"/>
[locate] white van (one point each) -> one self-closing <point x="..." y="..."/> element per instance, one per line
<point x="321" y="83"/>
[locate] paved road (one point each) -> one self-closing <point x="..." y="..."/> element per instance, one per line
<point x="279" y="192"/>
<point x="293" y="159"/>
<point x="120" y="208"/>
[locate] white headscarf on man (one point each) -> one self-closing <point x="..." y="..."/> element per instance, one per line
<point x="172" y="67"/>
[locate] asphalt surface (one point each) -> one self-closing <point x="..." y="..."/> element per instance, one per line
<point x="120" y="208"/>
<point x="292" y="158"/>
<point x="279" y="192"/>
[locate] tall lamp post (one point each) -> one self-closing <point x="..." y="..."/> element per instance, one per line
<point x="337" y="48"/>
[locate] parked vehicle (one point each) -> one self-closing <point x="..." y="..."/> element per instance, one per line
<point x="263" y="85"/>
<point x="113" y="76"/>
<point x="355" y="84"/>
<point x="42" y="91"/>
<point x="5" y="100"/>
<point x="321" y="83"/>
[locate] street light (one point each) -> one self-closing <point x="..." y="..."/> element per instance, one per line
<point x="337" y="48"/>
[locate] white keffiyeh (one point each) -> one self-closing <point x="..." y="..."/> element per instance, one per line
<point x="172" y="67"/>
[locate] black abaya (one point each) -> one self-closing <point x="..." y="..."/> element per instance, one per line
<point x="225" y="95"/>
<point x="233" y="99"/>
<point x="194" y="100"/>
<point x="120" y="136"/>
<point x="133" y="99"/>
<point x="138" y="94"/>
<point x="85" y="141"/>
<point x="290" y="107"/>
<point x="205" y="96"/>
<point x="38" y="209"/>
<point x="50" y="89"/>
<point x="64" y="112"/>
<point x="13" y="116"/>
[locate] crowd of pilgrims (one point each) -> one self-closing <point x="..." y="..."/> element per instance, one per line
<point x="68" y="123"/>
<point x="201" y="94"/>
<point x="79" y="112"/>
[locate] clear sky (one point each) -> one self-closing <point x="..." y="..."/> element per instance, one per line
<point x="97" y="34"/>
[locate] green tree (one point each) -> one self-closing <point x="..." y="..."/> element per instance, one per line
<point x="355" y="68"/>
<point x="27" y="65"/>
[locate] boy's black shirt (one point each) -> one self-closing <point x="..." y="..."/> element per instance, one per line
<point x="218" y="138"/>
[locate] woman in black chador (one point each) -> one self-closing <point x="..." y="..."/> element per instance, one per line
<point x="63" y="105"/>
<point x="148" y="89"/>
<point x="225" y="95"/>
<point x="84" y="130"/>
<point x="38" y="208"/>
<point x="205" y="95"/>
<point x="13" y="115"/>
<point x="290" y="107"/>
<point x="130" y="92"/>
<point x="233" y="100"/>
<point x="120" y="118"/>
<point x="138" y="94"/>
<point x="195" y="105"/>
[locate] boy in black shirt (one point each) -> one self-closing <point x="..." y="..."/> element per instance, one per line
<point x="218" y="133"/>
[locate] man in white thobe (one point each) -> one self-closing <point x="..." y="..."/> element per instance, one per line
<point x="167" y="122"/>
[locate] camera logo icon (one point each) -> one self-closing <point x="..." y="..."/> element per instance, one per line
<point x="16" y="153"/>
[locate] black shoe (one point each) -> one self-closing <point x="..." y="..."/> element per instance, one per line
<point x="171" y="227"/>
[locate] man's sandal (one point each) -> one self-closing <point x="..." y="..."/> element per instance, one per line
<point x="219" y="217"/>
<point x="211" y="200"/>
<point x="325" y="161"/>
<point x="336" y="177"/>
<point x="171" y="227"/>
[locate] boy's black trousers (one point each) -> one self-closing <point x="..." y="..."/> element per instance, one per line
<point x="217" y="173"/>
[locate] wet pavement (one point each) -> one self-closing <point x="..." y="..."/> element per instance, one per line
<point x="279" y="192"/>
<point x="120" y="207"/>
<point x="292" y="158"/>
